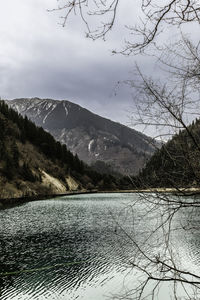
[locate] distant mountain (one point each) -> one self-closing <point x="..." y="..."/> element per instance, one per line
<point x="91" y="137"/>
<point x="32" y="163"/>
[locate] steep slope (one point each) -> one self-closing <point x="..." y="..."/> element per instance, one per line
<point x="176" y="164"/>
<point x="92" y="137"/>
<point x="33" y="163"/>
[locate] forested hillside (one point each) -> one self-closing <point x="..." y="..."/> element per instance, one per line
<point x="177" y="163"/>
<point x="33" y="163"/>
<point x="93" y="138"/>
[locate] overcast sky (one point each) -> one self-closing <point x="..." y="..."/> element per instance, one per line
<point x="39" y="58"/>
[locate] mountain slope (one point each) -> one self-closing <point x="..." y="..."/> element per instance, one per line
<point x="177" y="163"/>
<point x="92" y="137"/>
<point x="33" y="163"/>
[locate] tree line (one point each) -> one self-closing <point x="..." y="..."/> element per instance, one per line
<point x="24" y="130"/>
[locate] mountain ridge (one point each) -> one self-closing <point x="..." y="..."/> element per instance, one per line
<point x="32" y="163"/>
<point x="176" y="164"/>
<point x="92" y="137"/>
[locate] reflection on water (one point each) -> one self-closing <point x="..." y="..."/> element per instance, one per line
<point x="70" y="248"/>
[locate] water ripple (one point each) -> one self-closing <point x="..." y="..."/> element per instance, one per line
<point x="72" y="247"/>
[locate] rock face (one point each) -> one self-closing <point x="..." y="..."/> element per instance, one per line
<point x="92" y="137"/>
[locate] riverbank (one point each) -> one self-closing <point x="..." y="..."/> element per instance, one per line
<point x="10" y="202"/>
<point x="183" y="191"/>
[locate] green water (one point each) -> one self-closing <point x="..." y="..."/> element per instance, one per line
<point x="76" y="247"/>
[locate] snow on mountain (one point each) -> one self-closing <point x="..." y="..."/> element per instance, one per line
<point x="90" y="145"/>
<point x="90" y="136"/>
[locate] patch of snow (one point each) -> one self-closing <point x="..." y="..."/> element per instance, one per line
<point x="62" y="135"/>
<point x="16" y="107"/>
<point x="66" y="111"/>
<point x="90" y="145"/>
<point x="48" y="105"/>
<point x="53" y="107"/>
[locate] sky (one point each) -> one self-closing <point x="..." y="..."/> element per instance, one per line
<point x="40" y="58"/>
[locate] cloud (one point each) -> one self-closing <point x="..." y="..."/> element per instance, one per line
<point x="40" y="58"/>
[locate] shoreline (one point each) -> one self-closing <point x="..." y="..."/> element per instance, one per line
<point x="11" y="202"/>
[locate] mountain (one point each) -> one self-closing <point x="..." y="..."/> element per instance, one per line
<point x="32" y="163"/>
<point x="91" y="137"/>
<point x="176" y="164"/>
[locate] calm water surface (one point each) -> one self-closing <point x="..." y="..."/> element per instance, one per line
<point x="76" y="247"/>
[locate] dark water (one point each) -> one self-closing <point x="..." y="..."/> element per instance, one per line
<point x="76" y="247"/>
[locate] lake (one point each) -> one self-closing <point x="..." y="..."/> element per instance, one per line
<point x="82" y="246"/>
